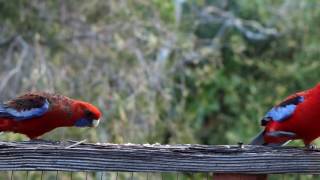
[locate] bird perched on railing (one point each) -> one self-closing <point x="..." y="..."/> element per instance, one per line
<point x="297" y="117"/>
<point x="34" y="114"/>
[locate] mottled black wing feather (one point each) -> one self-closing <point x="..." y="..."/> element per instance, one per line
<point x="24" y="107"/>
<point x="294" y="100"/>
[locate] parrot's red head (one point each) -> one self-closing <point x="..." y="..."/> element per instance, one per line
<point x="87" y="115"/>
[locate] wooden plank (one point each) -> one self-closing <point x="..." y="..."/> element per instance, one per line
<point x="240" y="177"/>
<point x="247" y="159"/>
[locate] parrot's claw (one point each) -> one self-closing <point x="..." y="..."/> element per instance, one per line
<point x="311" y="147"/>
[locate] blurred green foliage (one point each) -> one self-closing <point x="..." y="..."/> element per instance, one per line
<point x="167" y="71"/>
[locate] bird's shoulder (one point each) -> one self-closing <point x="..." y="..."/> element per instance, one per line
<point x="26" y="101"/>
<point x="286" y="108"/>
<point x="293" y="99"/>
<point x="36" y="100"/>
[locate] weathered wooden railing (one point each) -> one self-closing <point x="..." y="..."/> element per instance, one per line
<point x="226" y="162"/>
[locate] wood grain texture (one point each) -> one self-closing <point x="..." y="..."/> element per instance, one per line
<point x="43" y="155"/>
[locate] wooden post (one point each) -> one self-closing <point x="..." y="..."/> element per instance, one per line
<point x="240" y="177"/>
<point x="225" y="161"/>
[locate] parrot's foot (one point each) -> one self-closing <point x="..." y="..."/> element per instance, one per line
<point x="311" y="147"/>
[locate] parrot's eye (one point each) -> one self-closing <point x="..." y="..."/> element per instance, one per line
<point x="88" y="113"/>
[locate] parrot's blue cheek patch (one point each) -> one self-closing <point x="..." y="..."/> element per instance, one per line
<point x="83" y="123"/>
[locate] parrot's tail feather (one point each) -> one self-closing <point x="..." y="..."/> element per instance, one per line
<point x="258" y="140"/>
<point x="282" y="134"/>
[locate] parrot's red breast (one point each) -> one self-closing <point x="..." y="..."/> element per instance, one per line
<point x="297" y="117"/>
<point x="34" y="114"/>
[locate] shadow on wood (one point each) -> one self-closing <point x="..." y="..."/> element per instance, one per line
<point x="240" y="177"/>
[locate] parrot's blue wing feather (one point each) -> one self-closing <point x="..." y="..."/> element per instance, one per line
<point x="24" y="108"/>
<point x="283" y="111"/>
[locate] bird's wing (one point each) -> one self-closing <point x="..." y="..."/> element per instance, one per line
<point x="284" y="110"/>
<point x="25" y="107"/>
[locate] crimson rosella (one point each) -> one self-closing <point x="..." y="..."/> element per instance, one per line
<point x="34" y="114"/>
<point x="297" y="117"/>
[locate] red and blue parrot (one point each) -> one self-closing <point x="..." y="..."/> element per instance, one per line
<point x="34" y="114"/>
<point x="297" y="117"/>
